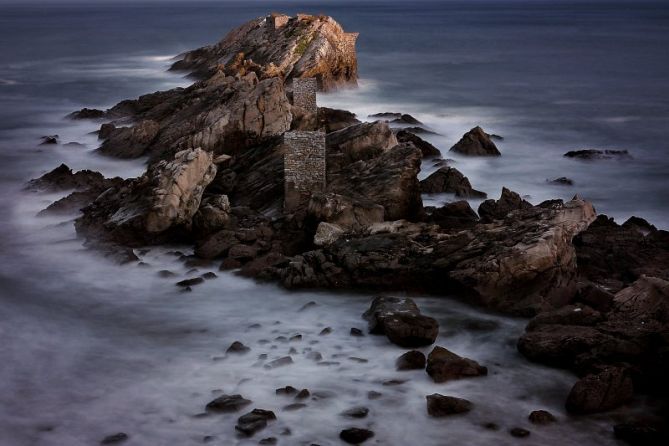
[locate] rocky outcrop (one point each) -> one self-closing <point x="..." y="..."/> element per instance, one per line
<point x="140" y="210"/>
<point x="509" y="201"/>
<point x="450" y="180"/>
<point x="427" y="149"/>
<point x="401" y="321"/>
<point x="388" y="180"/>
<point x="411" y="360"/>
<point x="358" y="142"/>
<point x="443" y="365"/>
<point x="614" y="256"/>
<point x="283" y="47"/>
<point x="129" y="142"/>
<point x="332" y="120"/>
<point x="521" y="264"/>
<point x="62" y="178"/>
<point x="476" y="142"/>
<point x="222" y="114"/>
<point x="456" y="215"/>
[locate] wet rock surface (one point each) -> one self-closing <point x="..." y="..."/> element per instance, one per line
<point x="228" y="403"/>
<point x="450" y="180"/>
<point x="401" y="321"/>
<point x="442" y="406"/>
<point x="476" y="142"/>
<point x="355" y="435"/>
<point x="411" y="360"/>
<point x="444" y="365"/>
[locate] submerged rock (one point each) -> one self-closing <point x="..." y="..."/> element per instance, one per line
<point x="228" y="403"/>
<point x="427" y="149"/>
<point x="593" y="154"/>
<point x="442" y="406"/>
<point x="476" y="142"/>
<point x="411" y="360"/>
<point x="254" y="421"/>
<point x="444" y="365"/>
<point x="541" y="417"/>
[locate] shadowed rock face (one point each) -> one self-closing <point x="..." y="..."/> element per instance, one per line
<point x="284" y="47"/>
<point x="476" y="142"/>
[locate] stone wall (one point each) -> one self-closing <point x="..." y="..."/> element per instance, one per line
<point x="304" y="94"/>
<point x="347" y="43"/>
<point x="304" y="167"/>
<point x="277" y="21"/>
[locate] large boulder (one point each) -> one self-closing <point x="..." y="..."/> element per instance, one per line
<point x="476" y="142"/>
<point x="165" y="198"/>
<point x="358" y="142"/>
<point x="491" y="210"/>
<point x="443" y="365"/>
<point x="332" y="120"/>
<point x="283" y="47"/>
<point x="443" y="406"/>
<point x="606" y="390"/>
<point x="389" y="180"/>
<point x="401" y="321"/>
<point x="449" y="180"/>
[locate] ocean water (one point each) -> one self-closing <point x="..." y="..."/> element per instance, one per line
<point x="90" y="348"/>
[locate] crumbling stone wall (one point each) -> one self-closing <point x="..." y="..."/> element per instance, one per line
<point x="347" y="43"/>
<point x="304" y="167"/>
<point x="304" y="94"/>
<point x="277" y="21"/>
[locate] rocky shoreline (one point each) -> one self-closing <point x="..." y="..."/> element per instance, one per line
<point x="597" y="291"/>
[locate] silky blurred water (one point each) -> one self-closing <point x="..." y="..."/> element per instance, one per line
<point x="90" y="348"/>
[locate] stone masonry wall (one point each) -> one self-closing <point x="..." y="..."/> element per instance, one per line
<point x="277" y="21"/>
<point x="304" y="94"/>
<point x="347" y="43"/>
<point x="304" y="167"/>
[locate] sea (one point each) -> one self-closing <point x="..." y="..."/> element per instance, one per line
<point x="89" y="348"/>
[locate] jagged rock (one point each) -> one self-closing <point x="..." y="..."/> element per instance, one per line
<point x="388" y="180"/>
<point x="491" y="210"/>
<point x="88" y="113"/>
<point x="600" y="392"/>
<point x="444" y="365"/>
<point x="49" y="140"/>
<point x="614" y="256"/>
<point x="449" y="180"/>
<point x="129" y="142"/>
<point x="254" y="421"/>
<point x="228" y="403"/>
<point x="332" y="120"/>
<point x="541" y="417"/>
<point x="63" y="178"/>
<point x="476" y="142"/>
<point x="345" y="212"/>
<point x="406" y="119"/>
<point x="456" y="215"/>
<point x="427" y="149"/>
<point x="355" y="435"/>
<point x="411" y="360"/>
<point x="283" y="47"/>
<point x="521" y="264"/>
<point x="593" y="154"/>
<point x="165" y="198"/>
<point x="237" y="347"/>
<point x="442" y="406"/>
<point x="327" y="234"/>
<point x="401" y="321"/>
<point x="358" y="142"/>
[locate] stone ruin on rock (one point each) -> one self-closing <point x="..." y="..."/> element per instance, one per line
<point x="304" y="94"/>
<point x="304" y="167"/>
<point x="276" y="21"/>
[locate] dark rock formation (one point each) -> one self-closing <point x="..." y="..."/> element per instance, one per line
<point x="332" y="120"/>
<point x="443" y="406"/>
<point x="592" y="154"/>
<point x="444" y="365"/>
<point x="491" y="210"/>
<point x="282" y="47"/>
<point x="456" y="215"/>
<point x="541" y="417"/>
<point x="600" y="392"/>
<point x="401" y="321"/>
<point x="476" y="142"/>
<point x="358" y="142"/>
<point x="115" y="438"/>
<point x="562" y="181"/>
<point x="62" y="178"/>
<point x="427" y="149"/>
<point x="356" y="412"/>
<point x="88" y="113"/>
<point x="450" y="180"/>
